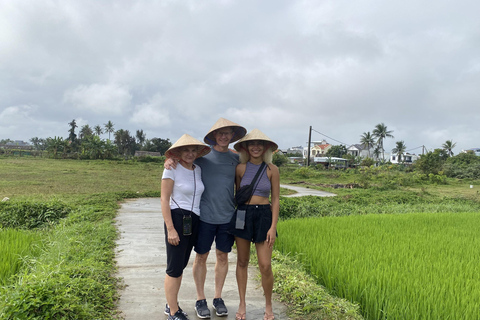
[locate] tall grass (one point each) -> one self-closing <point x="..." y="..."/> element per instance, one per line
<point x="16" y="246"/>
<point x="411" y="266"/>
<point x="73" y="202"/>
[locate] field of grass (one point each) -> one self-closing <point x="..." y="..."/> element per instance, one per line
<point x="72" y="276"/>
<point x="409" y="266"/>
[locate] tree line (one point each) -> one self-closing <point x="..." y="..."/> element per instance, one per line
<point x="374" y="141"/>
<point x="87" y="144"/>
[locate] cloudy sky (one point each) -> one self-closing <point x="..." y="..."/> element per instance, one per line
<point x="173" y="67"/>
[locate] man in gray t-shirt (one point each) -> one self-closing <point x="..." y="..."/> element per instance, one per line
<point x="216" y="210"/>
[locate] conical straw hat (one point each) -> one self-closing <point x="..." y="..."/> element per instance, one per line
<point x="186" y="140"/>
<point x="255" y="134"/>
<point x="224" y="123"/>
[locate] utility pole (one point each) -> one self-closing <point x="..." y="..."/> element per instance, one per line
<point x="309" y="142"/>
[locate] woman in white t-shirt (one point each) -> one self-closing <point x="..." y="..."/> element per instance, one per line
<point x="181" y="192"/>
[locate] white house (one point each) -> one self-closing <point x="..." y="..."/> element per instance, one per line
<point x="360" y="150"/>
<point x="406" y="158"/>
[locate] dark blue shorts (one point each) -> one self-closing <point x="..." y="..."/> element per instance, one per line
<point x="178" y="256"/>
<point x="207" y="232"/>
<point x="258" y="220"/>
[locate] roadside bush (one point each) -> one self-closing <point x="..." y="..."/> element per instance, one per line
<point x="151" y="159"/>
<point x="304" y="172"/>
<point x="31" y="215"/>
<point x="463" y="166"/>
<point x="279" y="159"/>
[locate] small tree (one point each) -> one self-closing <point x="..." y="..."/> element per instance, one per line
<point x="431" y="162"/>
<point x="157" y="145"/>
<point x="98" y="130"/>
<point x="337" y="151"/>
<point x="448" y="146"/>
<point x="279" y="159"/>
<point x="109" y="128"/>
<point x="399" y="150"/>
<point x="381" y="132"/>
<point x="367" y="140"/>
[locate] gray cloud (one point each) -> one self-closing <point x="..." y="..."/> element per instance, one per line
<point x="175" y="67"/>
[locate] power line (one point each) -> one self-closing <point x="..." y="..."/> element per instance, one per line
<point x="414" y="148"/>
<point x="330" y="137"/>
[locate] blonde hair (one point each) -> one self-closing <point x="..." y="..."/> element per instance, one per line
<point x="245" y="156"/>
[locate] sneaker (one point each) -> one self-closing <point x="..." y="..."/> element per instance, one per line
<point x="167" y="310"/>
<point x="179" y="315"/>
<point x="219" y="307"/>
<point x="202" y="309"/>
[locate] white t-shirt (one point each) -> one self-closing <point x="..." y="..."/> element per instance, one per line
<point x="186" y="183"/>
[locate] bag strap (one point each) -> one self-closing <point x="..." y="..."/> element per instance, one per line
<point x="259" y="171"/>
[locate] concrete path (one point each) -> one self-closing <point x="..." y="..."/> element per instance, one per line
<point x="301" y="191"/>
<point x="141" y="262"/>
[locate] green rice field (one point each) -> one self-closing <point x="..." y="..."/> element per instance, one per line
<point x="14" y="245"/>
<point x="401" y="266"/>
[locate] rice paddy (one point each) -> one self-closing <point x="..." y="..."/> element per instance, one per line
<point x="410" y="266"/>
<point x="17" y="246"/>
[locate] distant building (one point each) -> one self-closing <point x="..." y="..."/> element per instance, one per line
<point x="331" y="162"/>
<point x="406" y="158"/>
<point x="319" y="149"/>
<point x="476" y="151"/>
<point x="18" y="143"/>
<point x="360" y="150"/>
<point x="295" y="150"/>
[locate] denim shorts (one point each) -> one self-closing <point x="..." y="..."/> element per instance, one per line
<point x="208" y="232"/>
<point x="258" y="220"/>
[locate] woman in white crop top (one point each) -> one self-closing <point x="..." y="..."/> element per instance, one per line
<point x="256" y="221"/>
<point x="182" y="189"/>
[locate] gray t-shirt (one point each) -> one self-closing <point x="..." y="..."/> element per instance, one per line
<point x="218" y="176"/>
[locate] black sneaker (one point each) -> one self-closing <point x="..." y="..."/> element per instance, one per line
<point x="167" y="310"/>
<point x="179" y="315"/>
<point x="219" y="307"/>
<point x="202" y="309"/>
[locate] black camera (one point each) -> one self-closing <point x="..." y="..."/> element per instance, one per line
<point x="187" y="225"/>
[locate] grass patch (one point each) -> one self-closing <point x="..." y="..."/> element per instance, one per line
<point x="71" y="203"/>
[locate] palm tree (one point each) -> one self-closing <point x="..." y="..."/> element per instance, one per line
<point x="380" y="133"/>
<point x="399" y="150"/>
<point x="86" y="132"/>
<point x="140" y="137"/>
<point x="109" y="128"/>
<point x="98" y="130"/>
<point x="448" y="146"/>
<point x="367" y="140"/>
<point x="54" y="145"/>
<point x="377" y="152"/>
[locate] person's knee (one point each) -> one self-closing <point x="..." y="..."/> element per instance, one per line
<point x="242" y="263"/>
<point x="265" y="268"/>
<point x="222" y="257"/>
<point x="201" y="258"/>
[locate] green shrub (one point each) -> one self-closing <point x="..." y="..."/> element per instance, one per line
<point x="31" y="214"/>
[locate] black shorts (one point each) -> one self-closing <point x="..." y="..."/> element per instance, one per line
<point x="258" y="220"/>
<point x="178" y="256"/>
<point x="207" y="232"/>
